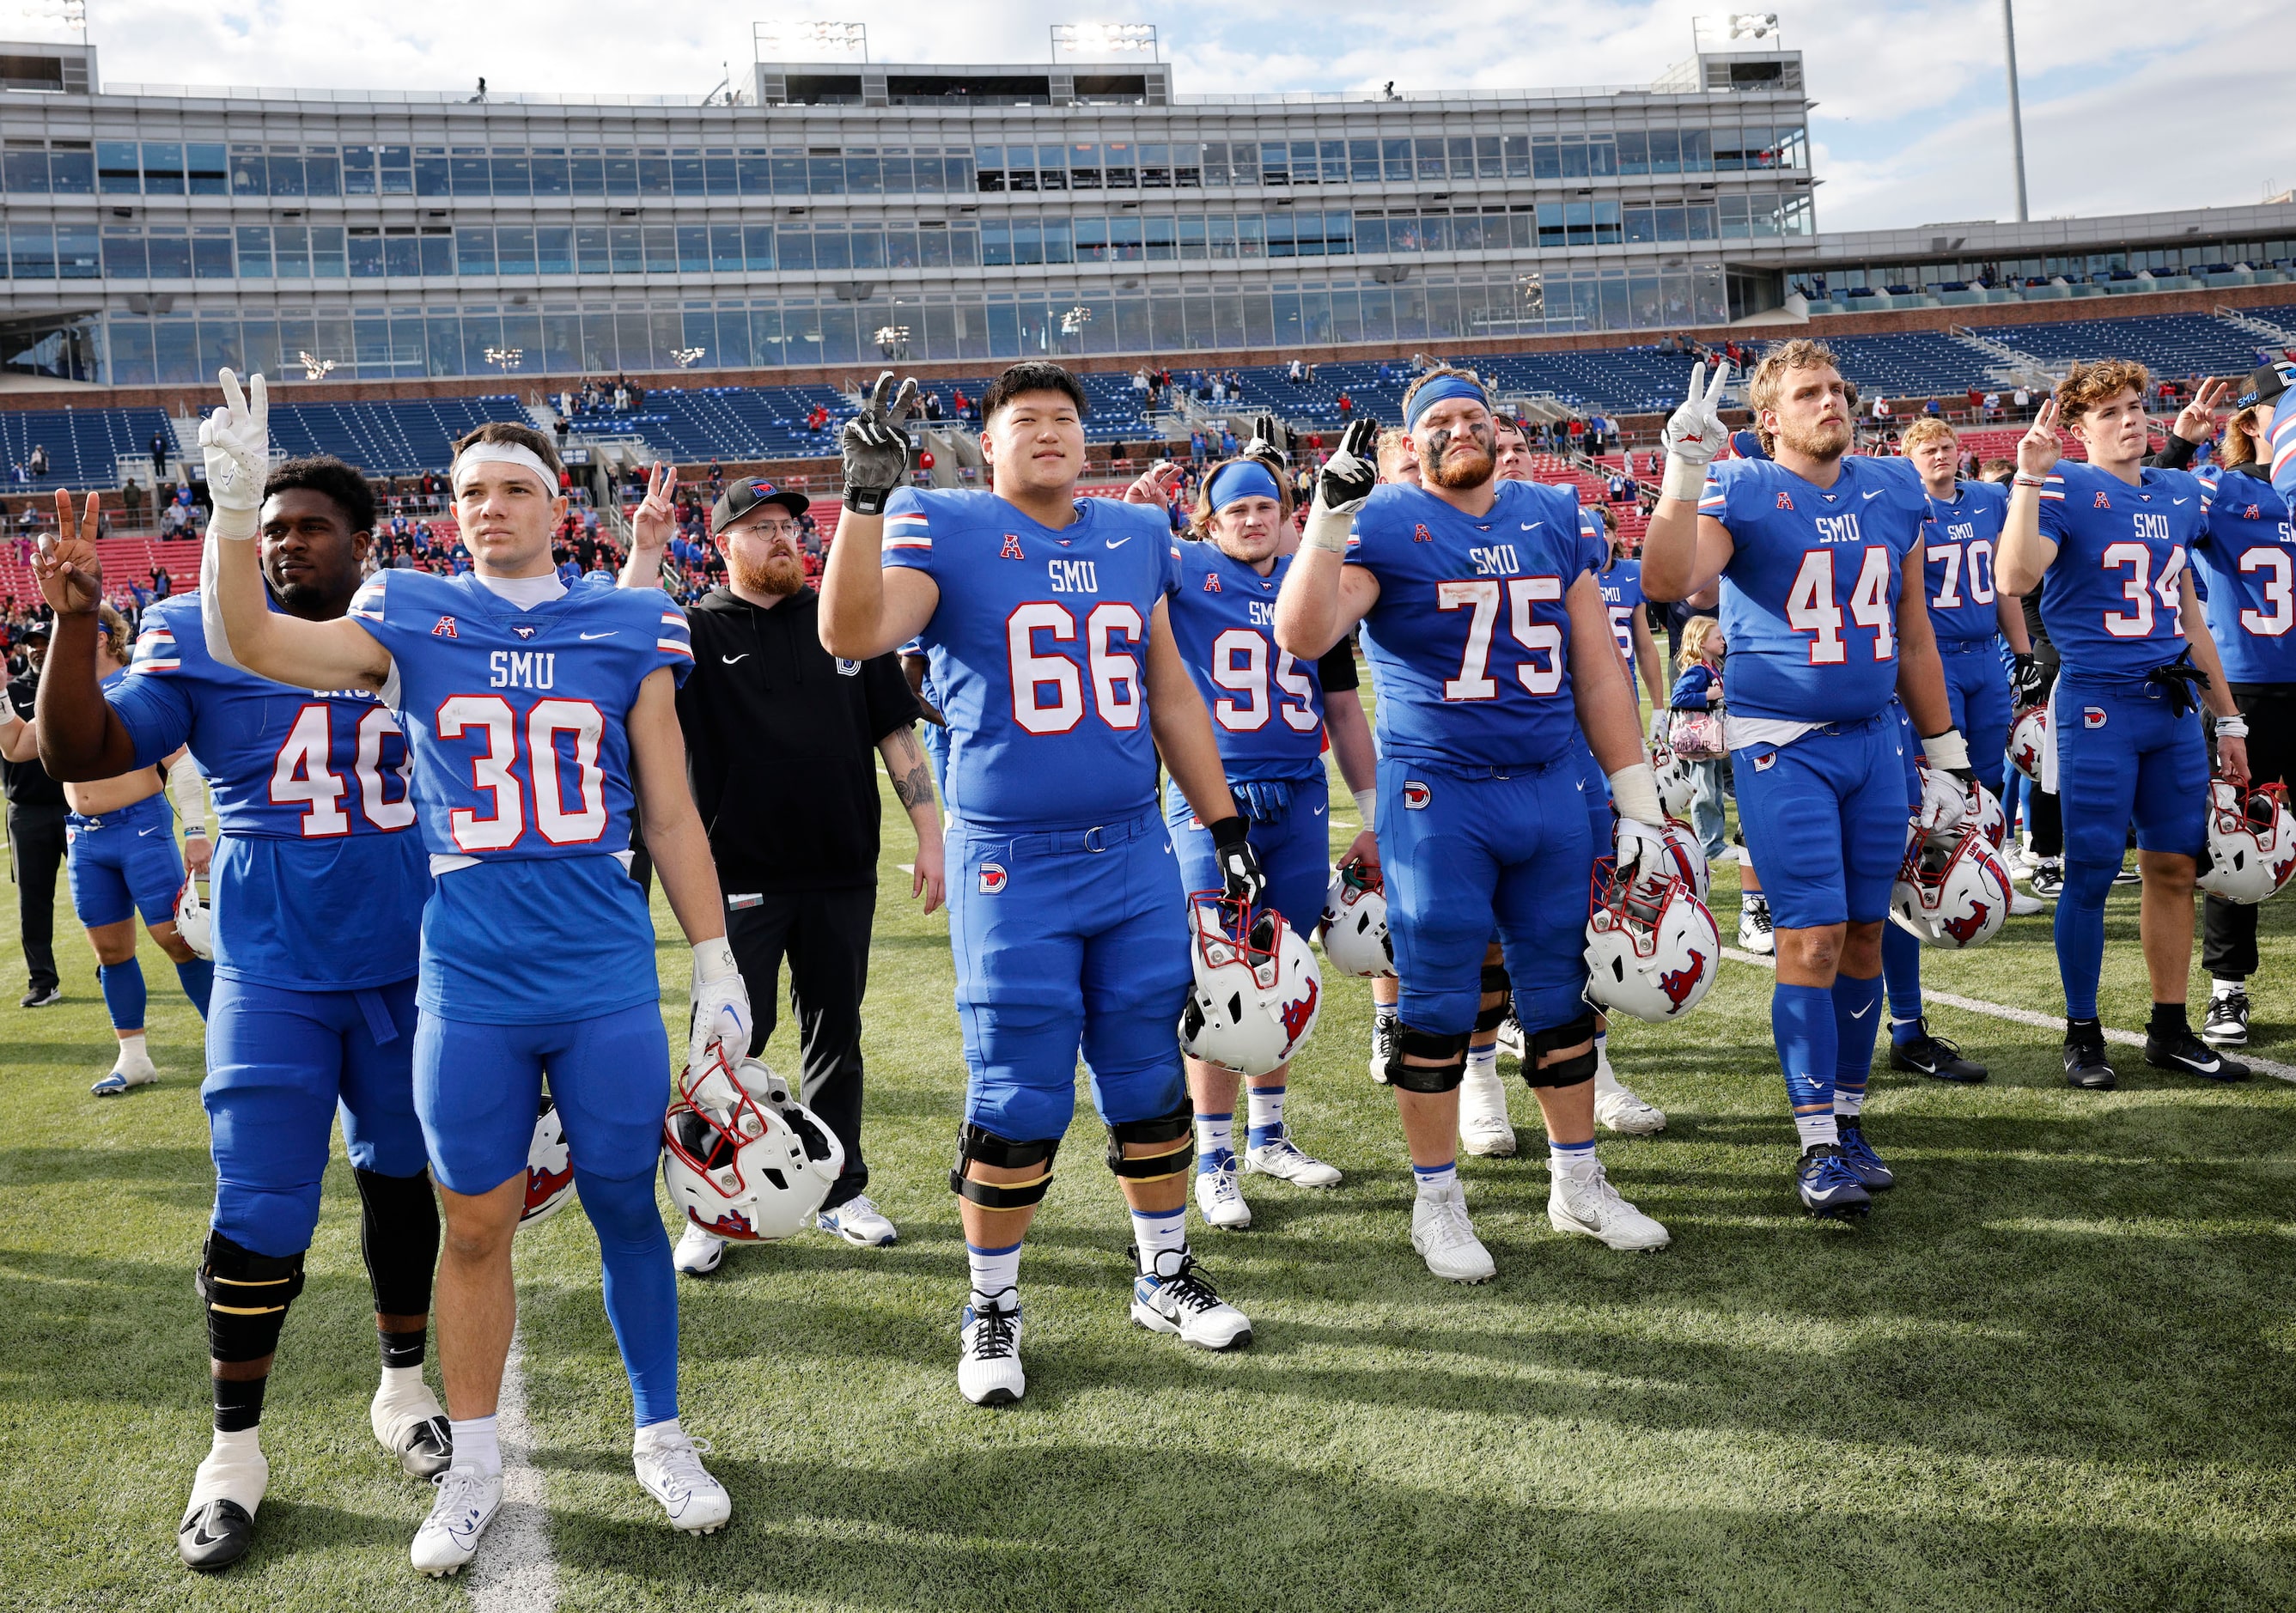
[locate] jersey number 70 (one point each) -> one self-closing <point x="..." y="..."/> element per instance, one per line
<point x="1812" y="609"/>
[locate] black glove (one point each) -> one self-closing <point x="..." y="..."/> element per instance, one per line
<point x="876" y="449"/>
<point x="2029" y="680"/>
<point x="2182" y="679"/>
<point x="1239" y="864"/>
<point x="1349" y="476"/>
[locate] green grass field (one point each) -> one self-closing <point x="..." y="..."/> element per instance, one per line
<point x="2052" y="1371"/>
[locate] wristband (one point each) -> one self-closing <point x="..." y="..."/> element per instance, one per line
<point x="226" y="523"/>
<point x="1326" y="529"/>
<point x="1948" y="750"/>
<point x="2233" y="727"/>
<point x="1684" y="480"/>
<point x="1230" y="831"/>
<point x="1364" y="800"/>
<point x="2023" y="480"/>
<point x="1633" y="791"/>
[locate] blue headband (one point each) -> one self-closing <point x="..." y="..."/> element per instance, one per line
<point x="1436" y="391"/>
<point x="1246" y="478"/>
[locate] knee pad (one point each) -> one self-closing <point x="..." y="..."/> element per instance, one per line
<point x="398" y="1236"/>
<point x="1565" y="1072"/>
<point x="1443" y="1078"/>
<point x="247" y="1297"/>
<point x="1173" y="1136"/>
<point x="1495" y="980"/>
<point x="977" y="1143"/>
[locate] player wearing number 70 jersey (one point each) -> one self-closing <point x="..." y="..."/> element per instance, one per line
<point x="536" y="716"/>
<point x="1821" y="564"/>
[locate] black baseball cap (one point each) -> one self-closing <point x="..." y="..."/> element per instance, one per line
<point x="743" y="496"/>
<point x="2266" y="382"/>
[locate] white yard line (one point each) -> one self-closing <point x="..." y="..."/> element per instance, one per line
<point x="514" y="1571"/>
<point x="2000" y="1011"/>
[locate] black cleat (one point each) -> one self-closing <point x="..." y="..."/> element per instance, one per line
<point x="1934" y="1056"/>
<point x="2184" y="1053"/>
<point x="41" y="997"/>
<point x="1829" y="1187"/>
<point x="2226" y="1025"/>
<point x="2085" y="1062"/>
<point x="214" y="1536"/>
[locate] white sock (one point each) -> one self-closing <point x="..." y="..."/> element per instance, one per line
<point x="476" y="1445"/>
<point x="1483" y="1062"/>
<point x="2218" y="986"/>
<point x="1265" y="1107"/>
<point x="1437" y="1181"/>
<point x="1215" y="1136"/>
<point x="657" y="1434"/>
<point x="1604" y="1076"/>
<point x="1576" y="1159"/>
<point x="134" y="1054"/>
<point x="233" y="1470"/>
<point x="1750" y="901"/>
<point x="993" y="1270"/>
<point x="1815" y="1129"/>
<point x="1159" y="1231"/>
<point x="401" y="1380"/>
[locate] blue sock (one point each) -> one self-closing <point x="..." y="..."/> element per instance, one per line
<point x="1901" y="967"/>
<point x="1854" y="1002"/>
<point x="123" y="993"/>
<point x="198" y="977"/>
<point x="2080" y="933"/>
<point x="1801" y="1023"/>
<point x="1437" y="1178"/>
<point x="1265" y="1108"/>
<point x="641" y="1286"/>
<point x="1157" y="1232"/>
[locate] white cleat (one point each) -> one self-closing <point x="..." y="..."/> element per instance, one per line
<point x="409" y="1422"/>
<point x="1485" y="1128"/>
<point x="1587" y="1203"/>
<point x="669" y="1467"/>
<point x="1282" y="1159"/>
<point x="1445" y="1239"/>
<point x="697" y="1252"/>
<point x="1621" y="1108"/>
<point x="1219" y="1200"/>
<point x="1174" y="1296"/>
<point x="218" y="1522"/>
<point x="989" y="1370"/>
<point x="467" y="1503"/>
<point x="124" y="1074"/>
<point x="1512" y="1041"/>
<point x="859" y="1221"/>
<point x="1754" y="933"/>
<point x="2022" y="906"/>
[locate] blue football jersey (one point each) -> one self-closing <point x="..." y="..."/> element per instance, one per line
<point x="1036" y="649"/>
<point x="1958" y="544"/>
<point x="319" y="879"/>
<point x="1621" y="584"/>
<point x="2113" y="590"/>
<point x="2246" y="560"/>
<point x="1268" y="709"/>
<point x="1470" y="640"/>
<point x="519" y="727"/>
<point x="1809" y="599"/>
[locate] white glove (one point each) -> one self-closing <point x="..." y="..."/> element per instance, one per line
<point x="1642" y="850"/>
<point x="1945" y="801"/>
<point x="721" y="1005"/>
<point x="236" y="441"/>
<point x="1694" y="436"/>
<point x="1657" y="723"/>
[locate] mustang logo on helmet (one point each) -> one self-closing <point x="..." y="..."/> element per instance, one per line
<point x="1679" y="983"/>
<point x="1300" y="1012"/>
<point x="1969" y="925"/>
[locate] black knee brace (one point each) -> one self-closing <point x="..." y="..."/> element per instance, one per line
<point x="976" y="1142"/>
<point x="247" y="1297"/>
<point x="1564" y="1072"/>
<point x="1174" y="1136"/>
<point x="398" y="1236"/>
<point x="1442" y="1078"/>
<point x="1495" y="980"/>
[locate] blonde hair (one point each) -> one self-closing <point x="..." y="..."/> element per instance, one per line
<point x="1695" y="634"/>
<point x="1928" y="427"/>
<point x="1199" y="521"/>
<point x="2089" y="385"/>
<point x="119" y="639"/>
<point x="2237" y="446"/>
<point x="1769" y="375"/>
<point x="1394" y="442"/>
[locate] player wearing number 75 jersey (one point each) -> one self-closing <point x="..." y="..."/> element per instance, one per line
<point x="536" y="716"/>
<point x="1821" y="562"/>
<point x="2112" y="537"/>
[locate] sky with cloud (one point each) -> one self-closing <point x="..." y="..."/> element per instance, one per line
<point x="2121" y="113"/>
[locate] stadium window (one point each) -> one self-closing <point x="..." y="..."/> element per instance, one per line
<point x="1796" y="217"/>
<point x="291" y="252"/>
<point x="1371" y="231"/>
<point x="1187" y="166"/>
<point x="693" y="249"/>
<point x="1552" y="231"/>
<point x="72" y="168"/>
<point x="171" y="252"/>
<point x="653" y="172"/>
<point x="1084" y="166"/>
<point x="1051" y="167"/>
<point x="1161" y="237"/>
<point x="1431" y="164"/>
<point x="328" y="261"/>
<point x="1699" y="218"/>
<point x="754" y="168"/>
<point x="933" y="173"/>
<point x="1121" y="165"/>
<point x="933" y="244"/>
<point x="365" y="254"/>
<point x="1575" y="159"/>
<point x="79" y="254"/>
<point x="867" y="243"/>
<point x="163" y="169"/>
<point x="320" y="171"/>
<point x="432" y="177"/>
<point x="963" y="246"/>
<point x="1640" y="226"/>
<point x="725" y="248"/>
<point x="1664" y="151"/>
<point x="1670" y="224"/>
<point x="1463" y="157"/>
<point x="514" y="249"/>
<point x="1363" y="161"/>
<point x="1190" y="239"/>
<point x="1155" y="168"/>
<point x="255" y="252"/>
<point x="686" y="176"/>
<point x="286" y="174"/>
<point x="1634" y="152"/>
<point x="1215" y="163"/>
<point x="437" y="257"/>
<point x="209" y="168"/>
<point x="660" y="246"/>
<point x="25" y="166"/>
<point x="1303" y="165"/>
<point x="586" y="172"/>
<point x="394" y="166"/>
<point x="512" y="175"/>
<point x="794" y="242"/>
<point x="1545" y="158"/>
<point x="1275" y="162"/>
<point x="1126" y="242"/>
<point x="832" y="248"/>
<point x="621" y="171"/>
<point x="117" y="172"/>
<point x="1488" y="164"/>
<point x="824" y="172"/>
<point x="1394" y="158"/>
<point x="1793" y="147"/>
<point x="1733" y="217"/>
<point x="901" y="251"/>
<point x="1602" y="156"/>
<point x="590" y="254"/>
<point x="900" y="176"/>
<point x="211" y="256"/>
<point x="474" y="249"/>
<point x="402" y="251"/>
<point x="548" y="168"/>
<point x="468" y="165"/>
<point x="1697" y="151"/>
<point x="123" y="253"/>
<point x="758" y="246"/>
<point x="996" y="242"/>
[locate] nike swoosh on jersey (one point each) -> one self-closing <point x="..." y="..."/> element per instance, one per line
<point x="141" y="832"/>
<point x="586" y="637"/>
<point x="1533" y="526"/>
<point x="1117" y="543"/>
<point x="1319" y="810"/>
<point x="730" y="659"/>
<point x="2180" y="500"/>
<point x="1875" y="494"/>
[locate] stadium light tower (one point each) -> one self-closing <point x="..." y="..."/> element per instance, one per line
<point x="808" y="41"/>
<point x="2016" y="116"/>
<point x="1099" y="41"/>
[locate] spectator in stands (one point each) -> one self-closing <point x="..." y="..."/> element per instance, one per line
<point x="2024" y="401"/>
<point x="39" y="466"/>
<point x="1347" y="406"/>
<point x="1976" y="400"/>
<point x="162" y="584"/>
<point x="1196" y="447"/>
<point x="1881" y="408"/>
<point x="1993" y="406"/>
<point x="36" y="835"/>
<point x="1932" y="410"/>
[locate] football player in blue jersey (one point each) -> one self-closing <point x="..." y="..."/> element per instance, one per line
<point x="2112" y="537"/>
<point x="318" y="888"/>
<point x="1044" y="619"/>
<point x="1268" y="717"/>
<point x="1820" y="554"/>
<point x="537" y="718"/>
<point x="1492" y="650"/>
<point x="2247" y="558"/>
<point x="124" y="859"/>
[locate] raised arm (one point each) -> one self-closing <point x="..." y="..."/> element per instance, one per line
<point x="1683" y="550"/>
<point x="1321" y="596"/>
<point x="79" y="738"/>
<point x="651" y="527"/>
<point x="2025" y="553"/>
<point x="866" y="611"/>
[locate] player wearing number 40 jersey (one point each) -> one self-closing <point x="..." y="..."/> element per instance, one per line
<point x="2112" y="538"/>
<point x="1044" y="618"/>
<point x="1821" y="562"/>
<point x="318" y="882"/>
<point x="536" y="716"/>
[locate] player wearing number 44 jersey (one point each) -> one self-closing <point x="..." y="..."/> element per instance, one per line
<point x="1821" y="562"/>
<point x="318" y="882"/>
<point x="2112" y="538"/>
<point x="1050" y="642"/>
<point x="537" y="717"/>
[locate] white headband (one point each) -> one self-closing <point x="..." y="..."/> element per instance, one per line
<point x="503" y="453"/>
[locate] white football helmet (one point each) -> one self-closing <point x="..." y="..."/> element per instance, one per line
<point x="1689" y="857"/>
<point x="1651" y="946"/>
<point x="549" y="1167"/>
<point x="1678" y="782"/>
<point x="2027" y="735"/>
<point x="194" y="918"/>
<point x="2252" y="844"/>
<point x="1258" y="989"/>
<point x="1951" y="889"/>
<point x="742" y="1157"/>
<point x="1985" y="812"/>
<point x="1354" y="929"/>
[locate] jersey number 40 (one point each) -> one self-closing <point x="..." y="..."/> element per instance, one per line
<point x="300" y="774"/>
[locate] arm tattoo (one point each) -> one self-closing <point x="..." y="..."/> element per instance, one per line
<point x="905" y="765"/>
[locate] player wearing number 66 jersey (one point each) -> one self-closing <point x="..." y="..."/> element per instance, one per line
<point x="536" y="716"/>
<point x="318" y="883"/>
<point x="1821" y="563"/>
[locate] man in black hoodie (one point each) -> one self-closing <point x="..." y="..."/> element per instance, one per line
<point x="780" y="742"/>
